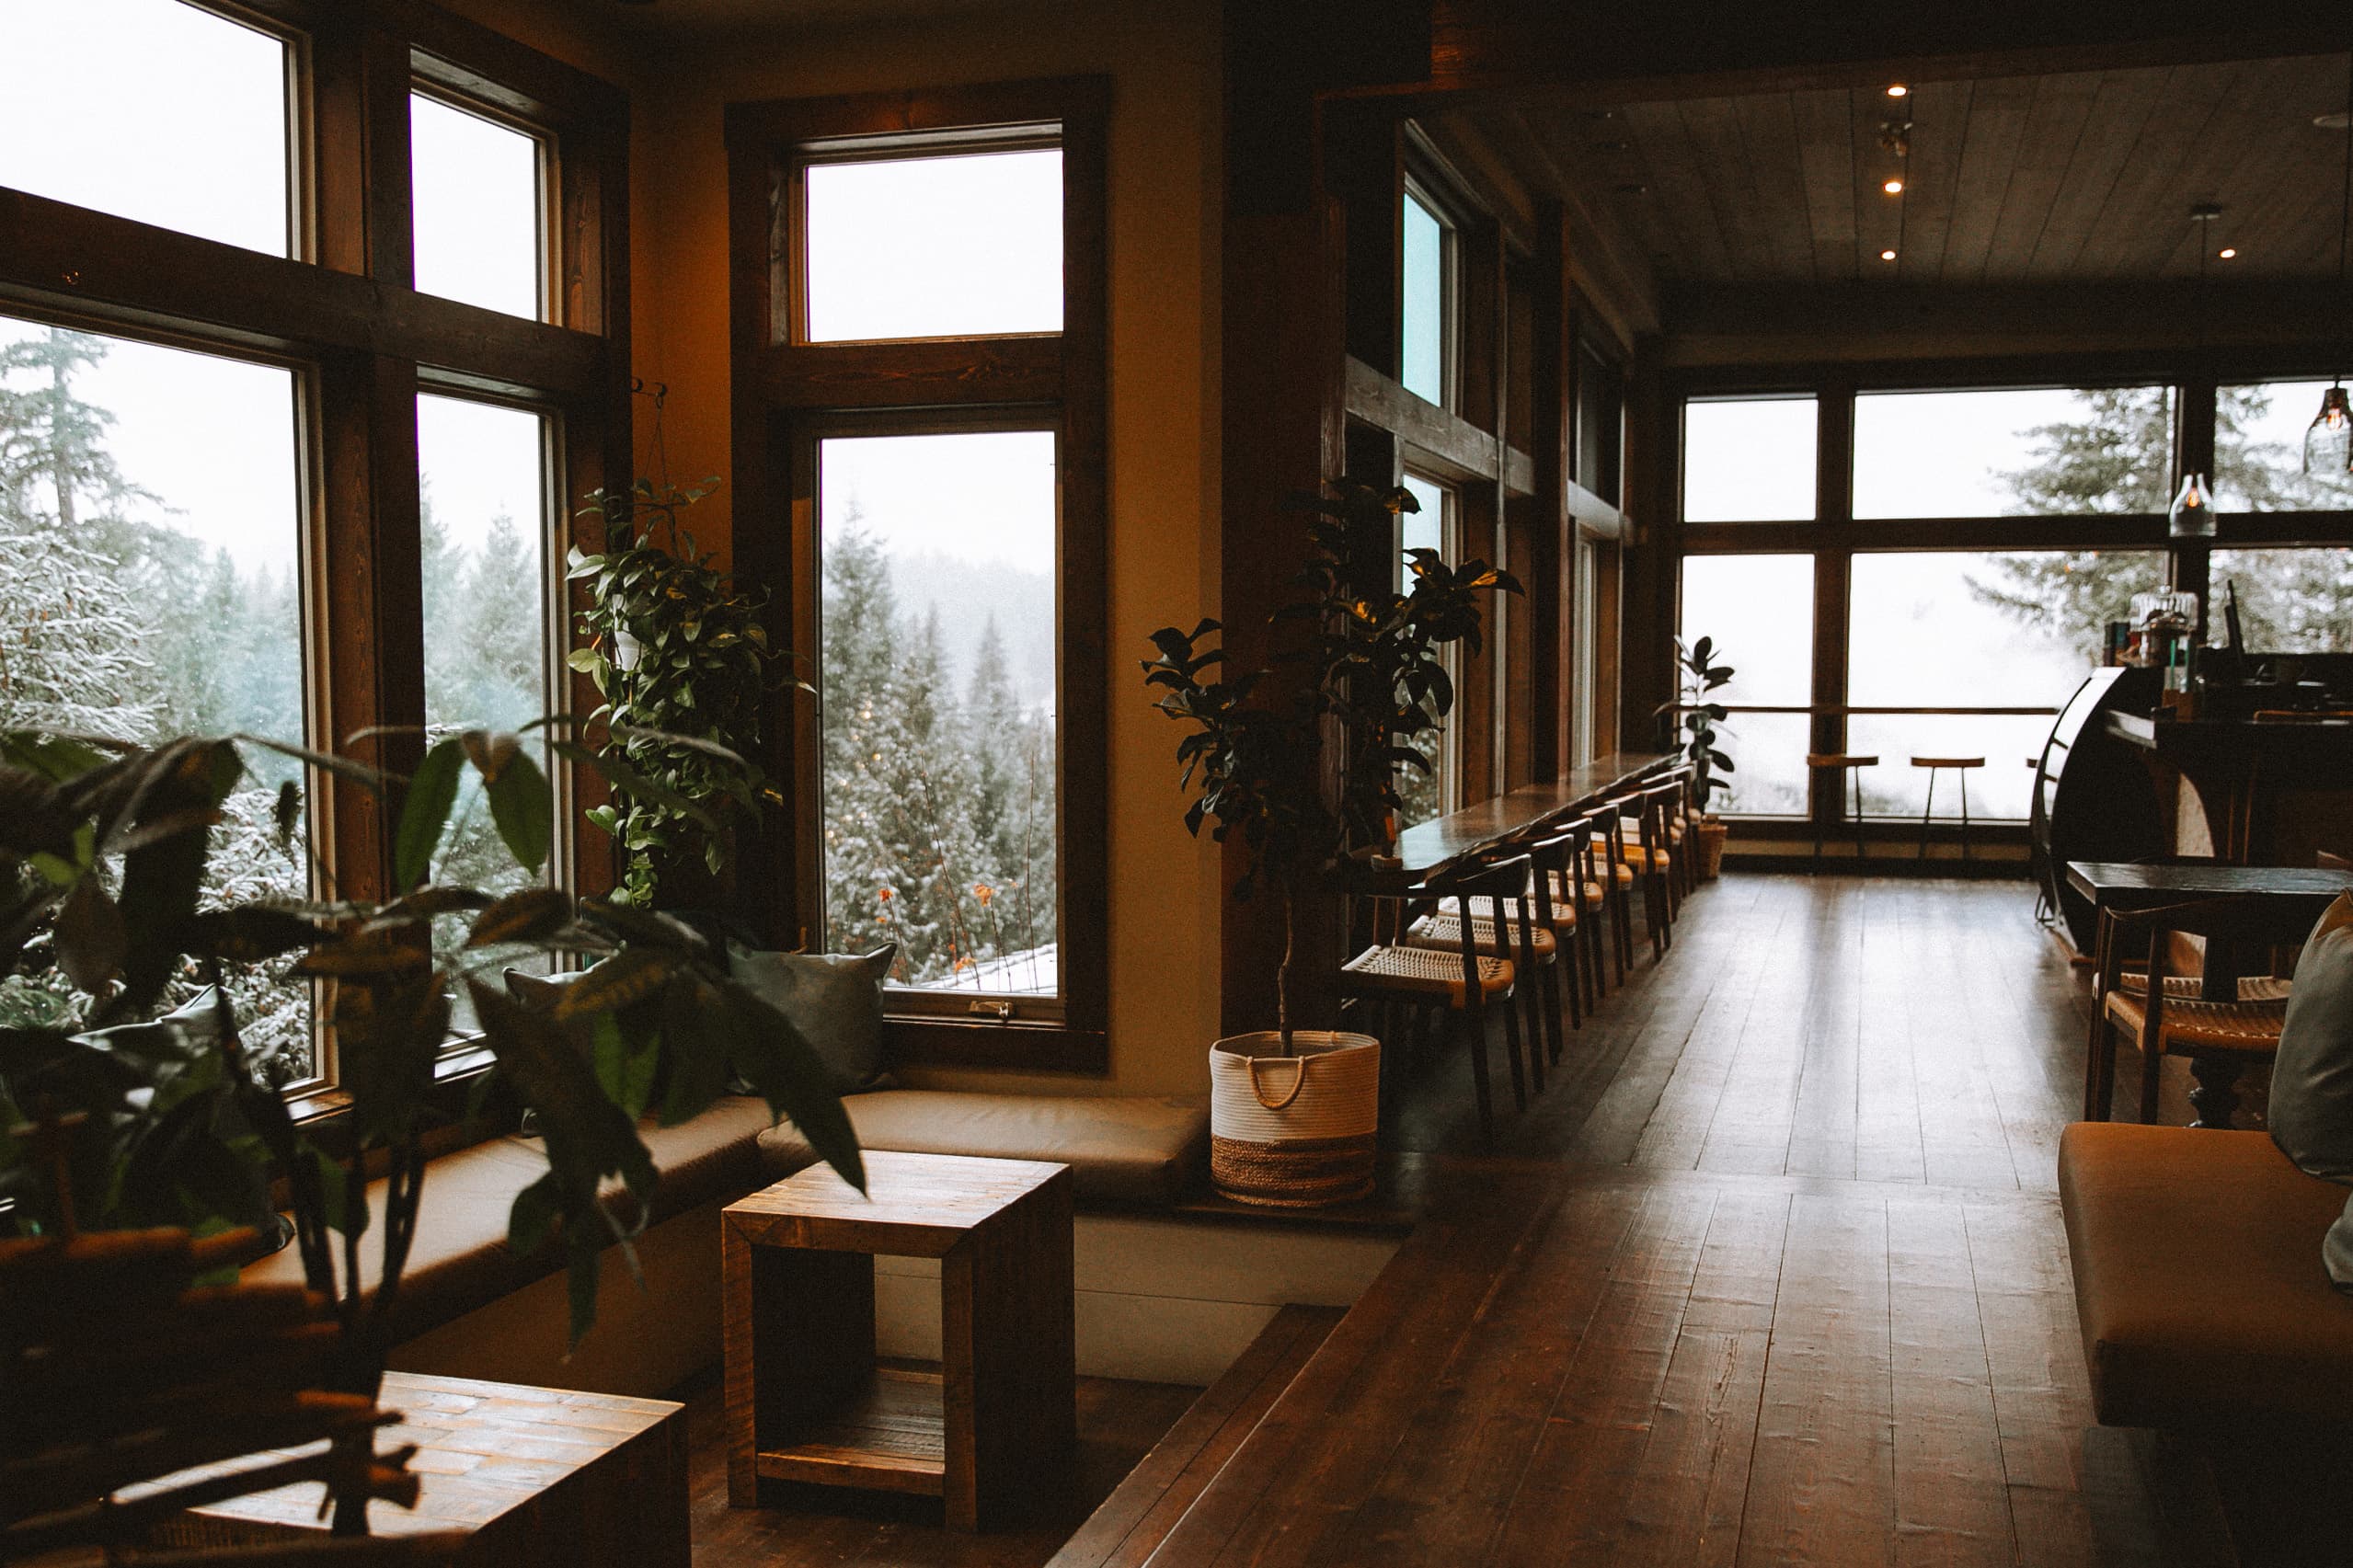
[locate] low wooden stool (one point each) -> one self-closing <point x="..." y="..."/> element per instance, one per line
<point x="1840" y="762"/>
<point x="1935" y="766"/>
<point x="805" y="1401"/>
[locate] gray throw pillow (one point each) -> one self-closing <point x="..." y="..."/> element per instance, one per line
<point x="834" y="999"/>
<point x="2312" y="1079"/>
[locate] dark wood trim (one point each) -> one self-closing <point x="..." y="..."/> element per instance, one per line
<point x="1447" y="442"/>
<point x="785" y="393"/>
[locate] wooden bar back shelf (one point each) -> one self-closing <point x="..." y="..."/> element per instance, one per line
<point x="806" y="1400"/>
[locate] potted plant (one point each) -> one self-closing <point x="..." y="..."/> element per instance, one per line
<point x="1294" y="1113"/>
<point x="1699" y="714"/>
<point x="677" y="651"/>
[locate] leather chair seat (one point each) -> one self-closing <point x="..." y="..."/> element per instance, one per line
<point x="2199" y="1282"/>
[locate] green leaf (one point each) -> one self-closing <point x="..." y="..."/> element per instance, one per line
<point x="531" y="915"/>
<point x="622" y="981"/>
<point x="91" y="938"/>
<point x="768" y="1052"/>
<point x="532" y="1217"/>
<point x="580" y="1277"/>
<point x="627" y="1061"/>
<point x="424" y="815"/>
<point x="345" y="1202"/>
<point x="524" y="809"/>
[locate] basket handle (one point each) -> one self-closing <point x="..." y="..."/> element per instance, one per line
<point x="1298" y="1078"/>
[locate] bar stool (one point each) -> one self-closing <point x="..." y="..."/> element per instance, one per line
<point x="1852" y="766"/>
<point x="1457" y="985"/>
<point x="1935" y="766"/>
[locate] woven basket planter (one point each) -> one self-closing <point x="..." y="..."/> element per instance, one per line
<point x="1710" y="834"/>
<point x="1298" y="1131"/>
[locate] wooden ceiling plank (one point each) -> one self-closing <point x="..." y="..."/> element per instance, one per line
<point x="2119" y="116"/>
<point x="1713" y="126"/>
<point x="1826" y="154"/>
<point x="2062" y="107"/>
<point x="2190" y="96"/>
<point x="1679" y="192"/>
<point x="1940" y="114"/>
<point x="1997" y="124"/>
<point x="2243" y="126"/>
<point x="1768" y="128"/>
<point x="2282" y="210"/>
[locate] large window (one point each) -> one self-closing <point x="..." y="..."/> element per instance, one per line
<point x="2259" y="450"/>
<point x="150" y="109"/>
<point x="152" y="576"/>
<point x="1427" y="291"/>
<point x="1960" y="629"/>
<point x="939" y="707"/>
<point x="1748" y="460"/>
<point x="931" y="383"/>
<point x="2039" y="451"/>
<point x="2296" y="599"/>
<point x="1760" y="612"/>
<point x="194" y="539"/>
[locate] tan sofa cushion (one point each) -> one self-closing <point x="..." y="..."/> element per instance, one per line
<point x="2199" y="1282"/>
<point x="1131" y="1150"/>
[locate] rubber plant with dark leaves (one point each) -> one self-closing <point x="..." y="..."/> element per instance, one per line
<point x="677" y="651"/>
<point x="1698" y="676"/>
<point x="103" y="877"/>
<point x="1368" y="665"/>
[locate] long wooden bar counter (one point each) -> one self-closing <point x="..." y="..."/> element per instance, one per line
<point x="1428" y="846"/>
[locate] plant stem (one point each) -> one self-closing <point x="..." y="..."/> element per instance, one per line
<point x="1282" y="974"/>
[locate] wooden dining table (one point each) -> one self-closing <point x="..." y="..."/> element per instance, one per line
<point x="1432" y="846"/>
<point x="2132" y="885"/>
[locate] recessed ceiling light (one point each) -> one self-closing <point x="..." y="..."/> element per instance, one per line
<point x="2227" y="252"/>
<point x="1886" y="256"/>
<point x="1893" y="187"/>
<point x="1632" y="188"/>
<point x="2334" y="121"/>
<point x="1898" y="91"/>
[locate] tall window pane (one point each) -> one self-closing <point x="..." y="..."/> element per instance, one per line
<point x="1968" y="629"/>
<point x="1429" y="795"/>
<point x="482" y="470"/>
<point x="941" y="246"/>
<point x="2040" y="450"/>
<point x="1748" y="460"/>
<point x="1425" y="293"/>
<point x="2290" y="601"/>
<point x="938" y="560"/>
<point x="477" y="209"/>
<point x="149" y="110"/>
<point x="2259" y="450"/>
<point x="150" y="586"/>
<point x="1760" y="612"/>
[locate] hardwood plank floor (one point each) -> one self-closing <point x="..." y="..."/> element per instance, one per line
<point x="1770" y="1273"/>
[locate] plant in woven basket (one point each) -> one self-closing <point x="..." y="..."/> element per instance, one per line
<point x="1698" y="675"/>
<point x="107" y="878"/>
<point x="1371" y="668"/>
<point x="677" y="651"/>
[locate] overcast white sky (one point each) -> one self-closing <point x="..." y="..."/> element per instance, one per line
<point x="980" y="497"/>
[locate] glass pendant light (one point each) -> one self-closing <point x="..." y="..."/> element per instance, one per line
<point x="2328" y="443"/>
<point x="2192" y="514"/>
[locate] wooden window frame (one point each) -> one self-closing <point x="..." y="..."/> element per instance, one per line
<point x="788" y="392"/>
<point x="344" y="311"/>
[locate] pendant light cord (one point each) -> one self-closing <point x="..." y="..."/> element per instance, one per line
<point x="2344" y="207"/>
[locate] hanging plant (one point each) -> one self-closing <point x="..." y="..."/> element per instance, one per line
<point x="678" y="653"/>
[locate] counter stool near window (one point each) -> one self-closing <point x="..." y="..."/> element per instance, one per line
<point x="1455" y="985"/>
<point x="1928" y="808"/>
<point x="1840" y="762"/>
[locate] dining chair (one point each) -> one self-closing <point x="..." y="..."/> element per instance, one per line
<point x="1609" y="888"/>
<point x="2161" y="1013"/>
<point x="1528" y="936"/>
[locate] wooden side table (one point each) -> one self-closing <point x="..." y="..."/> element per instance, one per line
<point x="805" y="1401"/>
<point x="528" y="1477"/>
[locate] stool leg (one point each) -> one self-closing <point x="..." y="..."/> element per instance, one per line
<point x="1817" y="840"/>
<point x="1856" y="774"/>
<point x="1964" y="814"/>
<point x="1927" y="809"/>
<point x="1474" y="1024"/>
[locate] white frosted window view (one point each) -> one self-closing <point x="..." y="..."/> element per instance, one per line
<point x="2290" y="601"/>
<point x="477" y="209"/>
<point x="2259" y="450"/>
<point x="481" y="471"/>
<point x="151" y="587"/>
<point x="959" y="246"/>
<point x="149" y="110"/>
<point x="937" y="672"/>
<point x="1427" y="794"/>
<point x="2045" y="451"/>
<point x="1424" y="293"/>
<point x="1748" y="460"/>
<point x="1968" y="629"/>
<point x="1760" y="611"/>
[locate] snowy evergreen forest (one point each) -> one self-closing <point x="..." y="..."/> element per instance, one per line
<point x="939" y="783"/>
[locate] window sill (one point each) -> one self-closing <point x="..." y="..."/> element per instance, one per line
<point x="1039" y="1046"/>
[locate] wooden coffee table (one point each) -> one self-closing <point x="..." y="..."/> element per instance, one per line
<point x="805" y="1399"/>
<point x="524" y="1475"/>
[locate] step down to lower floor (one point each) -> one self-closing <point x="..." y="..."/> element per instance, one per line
<point x="1137" y="1515"/>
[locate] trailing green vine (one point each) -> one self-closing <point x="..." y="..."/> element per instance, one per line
<point x="675" y="646"/>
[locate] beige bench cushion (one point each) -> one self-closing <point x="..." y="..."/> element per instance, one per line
<point x="1123" y="1149"/>
<point x="2199" y="1282"/>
